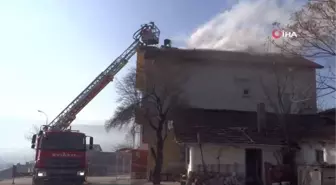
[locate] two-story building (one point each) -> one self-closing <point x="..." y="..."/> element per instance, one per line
<point x="227" y="80"/>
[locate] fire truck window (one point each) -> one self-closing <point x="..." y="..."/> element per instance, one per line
<point x="63" y="141"/>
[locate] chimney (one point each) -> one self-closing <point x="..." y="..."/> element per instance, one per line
<point x="261" y="116"/>
<point x="167" y="43"/>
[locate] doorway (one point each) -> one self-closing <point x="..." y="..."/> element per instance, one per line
<point x="253" y="166"/>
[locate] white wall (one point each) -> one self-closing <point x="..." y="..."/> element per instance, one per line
<point x="220" y="85"/>
<point x="230" y="155"/>
<point x="307" y="153"/>
<point x="309" y="167"/>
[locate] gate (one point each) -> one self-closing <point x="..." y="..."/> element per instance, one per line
<point x="132" y="163"/>
<point x="108" y="164"/>
<point x="123" y="164"/>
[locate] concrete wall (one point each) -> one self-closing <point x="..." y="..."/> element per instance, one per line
<point x="6" y="174"/>
<point x="233" y="157"/>
<point x="108" y="163"/>
<point x="221" y="85"/>
<point x="309" y="170"/>
<point x="21" y="169"/>
<point x="217" y="84"/>
<point x="306" y="156"/>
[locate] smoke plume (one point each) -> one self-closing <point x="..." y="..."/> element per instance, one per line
<point x="246" y="26"/>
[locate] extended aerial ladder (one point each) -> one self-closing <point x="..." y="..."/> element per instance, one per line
<point x="148" y="34"/>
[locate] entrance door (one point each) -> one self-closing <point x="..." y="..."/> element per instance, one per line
<point x="253" y="166"/>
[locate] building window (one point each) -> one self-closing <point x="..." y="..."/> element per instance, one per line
<point x="243" y="85"/>
<point x="319" y="156"/>
<point x="170" y="125"/>
<point x="246" y="92"/>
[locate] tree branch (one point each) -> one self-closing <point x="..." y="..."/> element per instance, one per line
<point x="153" y="153"/>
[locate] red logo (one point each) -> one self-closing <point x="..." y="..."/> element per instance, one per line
<point x="276" y="34"/>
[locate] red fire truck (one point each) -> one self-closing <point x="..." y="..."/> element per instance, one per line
<point x="60" y="157"/>
<point x="61" y="152"/>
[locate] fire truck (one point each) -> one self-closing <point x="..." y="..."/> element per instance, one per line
<point x="60" y="156"/>
<point x="61" y="152"/>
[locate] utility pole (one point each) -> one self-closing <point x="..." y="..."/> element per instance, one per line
<point x="13" y="173"/>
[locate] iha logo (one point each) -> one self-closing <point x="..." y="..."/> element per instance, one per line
<point x="281" y="33"/>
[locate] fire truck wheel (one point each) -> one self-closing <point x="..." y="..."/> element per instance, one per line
<point x="33" y="182"/>
<point x="37" y="183"/>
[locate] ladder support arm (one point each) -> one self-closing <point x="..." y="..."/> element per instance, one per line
<point x="148" y="34"/>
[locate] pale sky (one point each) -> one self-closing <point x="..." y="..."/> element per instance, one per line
<point x="50" y="50"/>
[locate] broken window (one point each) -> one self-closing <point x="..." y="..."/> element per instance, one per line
<point x="319" y="156"/>
<point x="246" y="92"/>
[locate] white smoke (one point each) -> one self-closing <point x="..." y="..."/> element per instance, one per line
<point x="246" y="26"/>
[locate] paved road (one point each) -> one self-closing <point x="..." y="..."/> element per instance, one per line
<point x="92" y="181"/>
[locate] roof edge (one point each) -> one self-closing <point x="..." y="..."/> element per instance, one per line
<point x="153" y="52"/>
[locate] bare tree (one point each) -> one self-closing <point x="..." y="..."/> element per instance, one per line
<point x="129" y="99"/>
<point x="321" y="105"/>
<point x="35" y="129"/>
<point x="326" y="81"/>
<point x="315" y="26"/>
<point x="153" y="104"/>
<point x="288" y="93"/>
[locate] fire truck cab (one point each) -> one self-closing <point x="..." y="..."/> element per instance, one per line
<point x="60" y="157"/>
